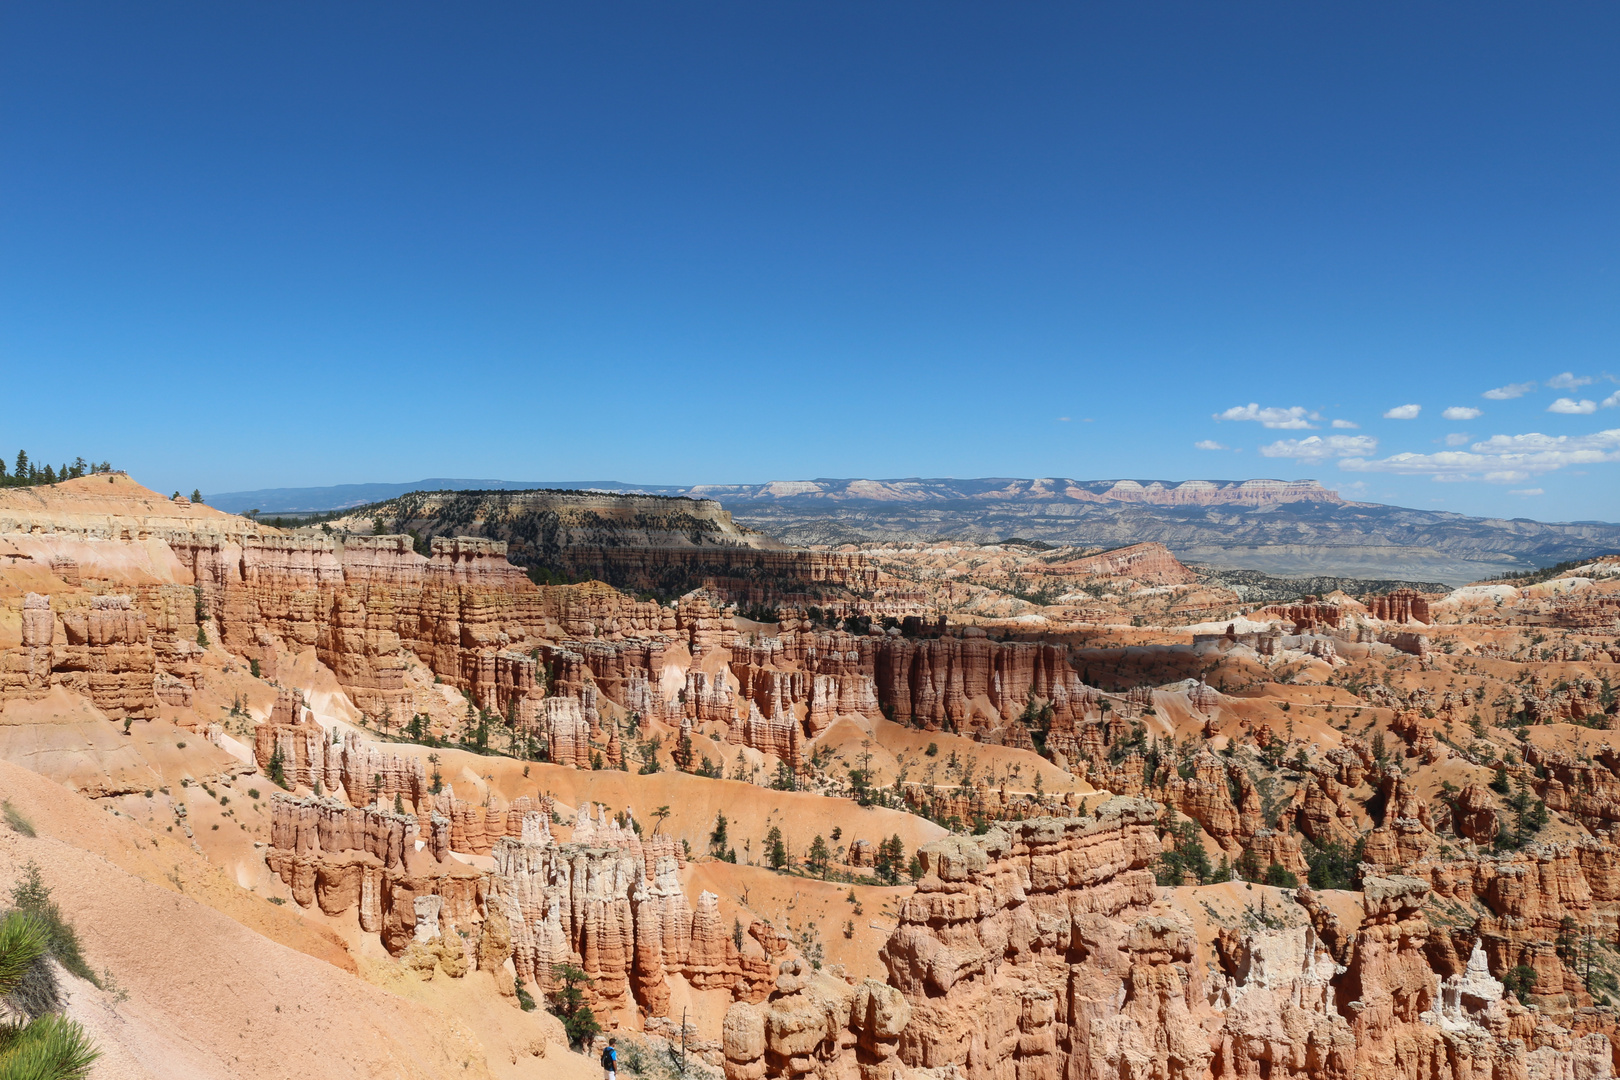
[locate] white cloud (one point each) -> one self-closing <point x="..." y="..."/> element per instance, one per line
<point x="1462" y="412"/>
<point x="1525" y="491"/>
<point x="1510" y="391"/>
<point x="1501" y="459"/>
<point x="1403" y="412"/>
<point x="1568" y="381"/>
<point x="1352" y="424"/>
<point x="1572" y="407"/>
<point x="1457" y="438"/>
<point x="1292" y="418"/>
<point x="1208" y="444"/>
<point x="1612" y="400"/>
<point x="1316" y="448"/>
<point x="1063" y="419"/>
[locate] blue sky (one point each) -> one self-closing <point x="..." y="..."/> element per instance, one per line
<point x="263" y="245"/>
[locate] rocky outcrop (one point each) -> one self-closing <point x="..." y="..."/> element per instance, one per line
<point x="107" y="658"/>
<point x="1399" y="605"/>
<point x="981" y="951"/>
<point x="290" y="739"/>
<point x="637" y="542"/>
<point x="567" y="732"/>
<point x="1474" y="814"/>
<point x="1042" y="950"/>
<point x="366" y="859"/>
<point x="815" y="1018"/>
<point x="612" y="904"/>
<point x="1306" y="618"/>
<point x="1149" y="564"/>
<point x="26" y="672"/>
<point x="103" y="654"/>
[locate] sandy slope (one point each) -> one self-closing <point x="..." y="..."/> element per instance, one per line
<point x="221" y="983"/>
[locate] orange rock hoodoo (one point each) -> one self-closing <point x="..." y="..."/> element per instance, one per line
<point x="1041" y="950"/>
<point x="1401" y="605"/>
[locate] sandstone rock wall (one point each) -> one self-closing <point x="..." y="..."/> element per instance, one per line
<point x="612" y="904"/>
<point x="1043" y="950"/>
<point x="1400" y="605"/>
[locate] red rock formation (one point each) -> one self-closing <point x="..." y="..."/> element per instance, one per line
<point x="1586" y="612"/>
<point x="1305" y="617"/>
<point x="1400" y="605"/>
<point x="291" y="738"/>
<point x="1407" y="833"/>
<point x="366" y="858"/>
<point x="567" y="732"/>
<point x="813" y="1019"/>
<point x="1474" y="814"/>
<point x="1327" y="814"/>
<point x="708" y="700"/>
<point x="1206" y="797"/>
<point x="958" y="809"/>
<point x="106" y="657"/>
<point x="1149" y="563"/>
<point x="598" y="610"/>
<point x="703" y="626"/>
<point x="366" y="772"/>
<point x="782" y="736"/>
<point x="978" y="952"/>
<point x="613" y="905"/>
<point x="26" y="671"/>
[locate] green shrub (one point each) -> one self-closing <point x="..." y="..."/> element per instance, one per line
<point x="525" y="999"/>
<point x="46" y="1046"/>
<point x="1521" y="980"/>
<point x="1280" y="876"/>
<point x="51" y="1048"/>
<point x="1184" y="857"/>
<point x="31" y="897"/>
<point x="567" y="1003"/>
<point x="1332" y="867"/>
<point x="16" y="819"/>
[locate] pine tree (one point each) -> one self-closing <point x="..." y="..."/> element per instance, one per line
<point x="568" y="1004"/>
<point x="776" y="849"/>
<point x="278" y="769"/>
<point x="819" y="857"/>
<point x="890" y="860"/>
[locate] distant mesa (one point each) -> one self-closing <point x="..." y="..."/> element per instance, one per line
<point x="1285" y="527"/>
<point x="1258" y="492"/>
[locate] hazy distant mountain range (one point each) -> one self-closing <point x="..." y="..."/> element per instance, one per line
<point x="1281" y="527"/>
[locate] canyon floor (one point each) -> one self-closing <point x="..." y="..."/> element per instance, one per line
<point x="346" y="799"/>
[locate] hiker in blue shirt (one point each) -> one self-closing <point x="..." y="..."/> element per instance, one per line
<point x="610" y="1061"/>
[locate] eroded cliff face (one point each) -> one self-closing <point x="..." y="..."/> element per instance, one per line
<point x="612" y="904"/>
<point x="1008" y="960"/>
<point x="1057" y="944"/>
<point x="1016" y="949"/>
<point x="604" y="900"/>
<point x="1043" y="949"/>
